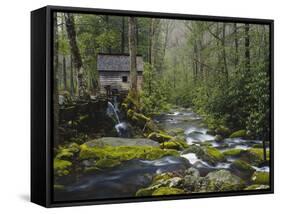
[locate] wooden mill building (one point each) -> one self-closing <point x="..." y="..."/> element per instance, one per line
<point x="114" y="73"/>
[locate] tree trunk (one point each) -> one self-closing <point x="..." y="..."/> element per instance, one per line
<point x="64" y="73"/>
<point x="55" y="82"/>
<point x="264" y="150"/>
<point x="133" y="53"/>
<point x="69" y="19"/>
<point x="71" y="77"/>
<point x="247" y="48"/>
<point x="123" y="36"/>
<point x="224" y="52"/>
<point x="236" y="59"/>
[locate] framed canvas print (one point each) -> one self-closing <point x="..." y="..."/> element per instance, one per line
<point x="138" y="106"/>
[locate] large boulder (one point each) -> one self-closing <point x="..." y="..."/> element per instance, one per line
<point x="242" y="169"/>
<point x="222" y="180"/>
<point x="118" y="141"/>
<point x="207" y="153"/>
<point x="260" y="178"/>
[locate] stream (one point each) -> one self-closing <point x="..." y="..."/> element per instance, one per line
<point x="125" y="179"/>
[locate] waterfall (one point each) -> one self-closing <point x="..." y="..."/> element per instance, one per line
<point x="112" y="111"/>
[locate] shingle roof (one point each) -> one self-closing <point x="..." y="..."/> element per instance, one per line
<point x="117" y="62"/>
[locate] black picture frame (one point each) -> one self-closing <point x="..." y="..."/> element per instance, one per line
<point x="41" y="104"/>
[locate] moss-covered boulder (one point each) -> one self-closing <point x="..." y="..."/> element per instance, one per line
<point x="110" y="156"/>
<point x="254" y="156"/>
<point x="207" y="153"/>
<point x="234" y="152"/>
<point x="257" y="187"/>
<point x="213" y="155"/>
<point x="62" y="167"/>
<point x="170" y="145"/>
<point x="168" y="191"/>
<point x="222" y="180"/>
<point x="260" y="178"/>
<point x="218" y="138"/>
<point x="160" y="137"/>
<point x="174" y="144"/>
<point x="242" y="169"/>
<point x="223" y="131"/>
<point x="239" y="134"/>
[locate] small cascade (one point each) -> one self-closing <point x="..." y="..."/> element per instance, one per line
<point x="112" y="111"/>
<point x="122" y="128"/>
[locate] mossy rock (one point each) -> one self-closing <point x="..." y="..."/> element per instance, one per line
<point x="170" y="145"/>
<point x="223" y="131"/>
<point x="168" y="191"/>
<point x="147" y="191"/>
<point x="159" y="137"/>
<point x="222" y="180"/>
<point x="234" y="152"/>
<point x="109" y="156"/>
<point x="207" y="153"/>
<point x="218" y="138"/>
<point x="260" y="178"/>
<point x="257" y="187"/>
<point x="214" y="154"/>
<point x="64" y="154"/>
<point x="61" y="167"/>
<point x="174" y="144"/>
<point x="242" y="169"/>
<point x="254" y="156"/>
<point x="161" y="177"/>
<point x="239" y="134"/>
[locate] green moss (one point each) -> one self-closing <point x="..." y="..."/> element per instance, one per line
<point x="65" y="153"/>
<point x="170" y="145"/>
<point x="58" y="187"/>
<point x="167" y="191"/>
<point x="233" y="152"/>
<point x="256" y="187"/>
<point x="260" y="178"/>
<point x="254" y="156"/>
<point x="113" y="155"/>
<point x="146" y="191"/>
<point x="61" y="167"/>
<point x="163" y="176"/>
<point x="107" y="163"/>
<point x="215" y="154"/>
<point x="159" y="137"/>
<point x="239" y="133"/>
<point x="242" y="165"/>
<point x="259" y="153"/>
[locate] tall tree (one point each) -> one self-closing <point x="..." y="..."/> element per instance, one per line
<point x="70" y="27"/>
<point x="133" y="53"/>
<point x="55" y="81"/>
<point x="247" y="48"/>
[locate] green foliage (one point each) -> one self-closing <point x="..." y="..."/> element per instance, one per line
<point x="155" y="93"/>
